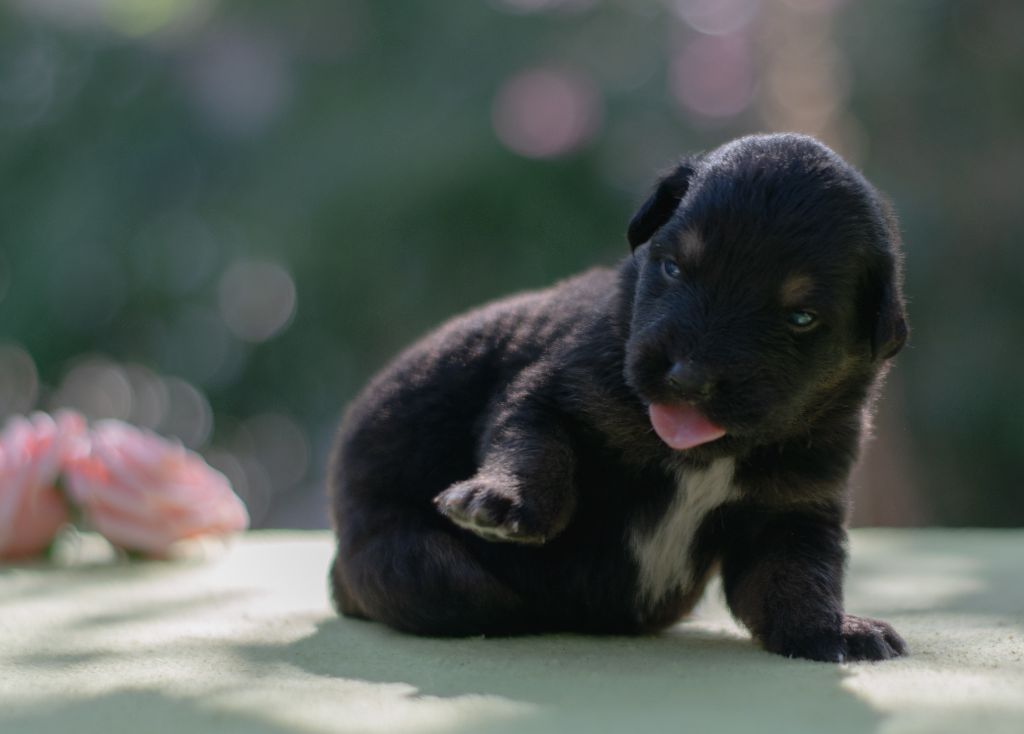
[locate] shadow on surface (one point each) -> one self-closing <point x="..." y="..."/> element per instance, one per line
<point x="28" y="581"/>
<point x="132" y="710"/>
<point x="688" y="677"/>
<point x="195" y="660"/>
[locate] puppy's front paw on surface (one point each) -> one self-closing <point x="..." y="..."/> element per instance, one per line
<point x="491" y="510"/>
<point x="871" y="639"/>
<point x="858" y="638"/>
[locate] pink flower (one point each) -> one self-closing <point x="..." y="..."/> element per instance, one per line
<point x="143" y="492"/>
<point x="32" y="451"/>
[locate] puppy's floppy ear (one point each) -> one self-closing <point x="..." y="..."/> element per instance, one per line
<point x="888" y="324"/>
<point x="660" y="205"/>
<point x="890" y="330"/>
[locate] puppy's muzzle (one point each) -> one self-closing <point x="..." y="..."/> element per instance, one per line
<point x="689" y="382"/>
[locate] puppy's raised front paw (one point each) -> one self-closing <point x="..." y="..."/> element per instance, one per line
<point x="491" y="510"/>
<point x="858" y="638"/>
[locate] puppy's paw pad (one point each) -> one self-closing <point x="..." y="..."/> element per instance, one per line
<point x="489" y="510"/>
<point x="871" y="639"/>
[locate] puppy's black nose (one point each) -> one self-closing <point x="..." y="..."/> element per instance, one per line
<point x="689" y="381"/>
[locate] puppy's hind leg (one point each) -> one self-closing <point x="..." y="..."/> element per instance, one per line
<point x="426" y="582"/>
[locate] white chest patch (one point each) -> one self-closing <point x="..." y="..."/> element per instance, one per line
<point x="663" y="552"/>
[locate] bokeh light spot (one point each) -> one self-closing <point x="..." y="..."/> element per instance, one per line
<point x="142" y="17"/>
<point x="544" y="113"/>
<point x="28" y="79"/>
<point x="97" y="388"/>
<point x="257" y="299"/>
<point x="713" y="76"/>
<point x="717" y="17"/>
<point x="19" y="380"/>
<point x="150" y="397"/>
<point x="188" y="416"/>
<point x="524" y="7"/>
<point x="239" y="81"/>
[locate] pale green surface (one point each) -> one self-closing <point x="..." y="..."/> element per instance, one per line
<point x="247" y="642"/>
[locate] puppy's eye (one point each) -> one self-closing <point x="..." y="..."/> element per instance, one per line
<point x="671" y="270"/>
<point x="802" y="320"/>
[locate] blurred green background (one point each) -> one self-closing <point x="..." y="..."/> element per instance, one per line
<point x="217" y="219"/>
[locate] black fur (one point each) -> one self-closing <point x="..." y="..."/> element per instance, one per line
<point x="496" y="477"/>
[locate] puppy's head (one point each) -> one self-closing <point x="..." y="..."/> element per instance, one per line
<point x="766" y="294"/>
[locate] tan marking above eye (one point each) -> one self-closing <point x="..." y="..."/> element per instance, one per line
<point x="691" y="246"/>
<point x="795" y="290"/>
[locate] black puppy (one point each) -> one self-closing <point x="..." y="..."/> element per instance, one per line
<point x="583" y="458"/>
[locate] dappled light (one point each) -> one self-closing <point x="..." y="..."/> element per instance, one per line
<point x="220" y="218"/>
<point x="247" y="640"/>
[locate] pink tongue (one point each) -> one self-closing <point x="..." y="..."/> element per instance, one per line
<point x="683" y="426"/>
